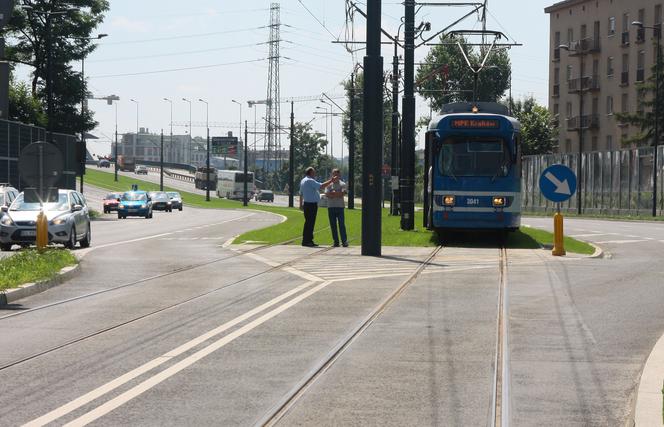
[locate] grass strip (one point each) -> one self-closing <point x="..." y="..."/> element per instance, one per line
<point x="30" y="266"/>
<point x="392" y="235"/>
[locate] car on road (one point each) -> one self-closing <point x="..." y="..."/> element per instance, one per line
<point x="176" y="200"/>
<point x="264" y="196"/>
<point x="68" y="221"/>
<point x="160" y="201"/>
<point x="135" y="203"/>
<point x="7" y="195"/>
<point x="141" y="170"/>
<point x="104" y="163"/>
<point x="111" y="202"/>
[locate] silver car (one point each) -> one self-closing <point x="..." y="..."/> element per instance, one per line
<point x="68" y="221"/>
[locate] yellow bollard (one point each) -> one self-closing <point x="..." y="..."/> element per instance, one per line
<point x="42" y="232"/>
<point x="558" y="244"/>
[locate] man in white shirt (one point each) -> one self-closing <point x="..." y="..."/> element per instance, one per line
<point x="335" y="208"/>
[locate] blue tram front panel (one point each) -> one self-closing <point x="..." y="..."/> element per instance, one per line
<point x="476" y="177"/>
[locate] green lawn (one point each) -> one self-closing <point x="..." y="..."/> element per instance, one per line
<point x="30" y="266"/>
<point x="392" y="235"/>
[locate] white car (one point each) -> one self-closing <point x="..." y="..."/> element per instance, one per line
<point x="68" y="221"/>
<point x="141" y="170"/>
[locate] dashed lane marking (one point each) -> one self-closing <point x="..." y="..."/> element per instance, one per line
<point x="621" y="241"/>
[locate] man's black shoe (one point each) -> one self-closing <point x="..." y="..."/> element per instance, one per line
<point x="310" y="245"/>
<point x="336" y="244"/>
<point x="345" y="244"/>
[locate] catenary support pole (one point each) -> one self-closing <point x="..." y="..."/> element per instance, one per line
<point x="245" y="199"/>
<point x="291" y="156"/>
<point x="351" y="145"/>
<point x="207" y="165"/>
<point x="394" y="203"/>
<point x="161" y="162"/>
<point x="407" y="160"/>
<point x="372" y="134"/>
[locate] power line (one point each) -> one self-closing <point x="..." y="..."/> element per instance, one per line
<point x="170" y="70"/>
<point x="163" y="55"/>
<point x="183" y="36"/>
<point x="318" y="20"/>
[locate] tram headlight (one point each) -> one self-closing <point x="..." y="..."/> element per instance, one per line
<point x="498" y="202"/>
<point x="448" y="200"/>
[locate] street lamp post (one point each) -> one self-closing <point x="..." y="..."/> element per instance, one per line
<point x="656" y="107"/>
<point x="170" y="143"/>
<point x="207" y="162"/>
<point x="115" y="163"/>
<point x="188" y="161"/>
<point x="133" y="154"/>
<point x="579" y="162"/>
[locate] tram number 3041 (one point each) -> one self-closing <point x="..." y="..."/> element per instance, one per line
<point x="472" y="201"/>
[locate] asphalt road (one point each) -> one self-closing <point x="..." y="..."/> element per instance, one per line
<point x="203" y="335"/>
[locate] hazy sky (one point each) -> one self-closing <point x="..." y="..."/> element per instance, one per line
<point x="222" y="46"/>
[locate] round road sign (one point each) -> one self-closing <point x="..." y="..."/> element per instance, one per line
<point x="557" y="183"/>
<point x="40" y="164"/>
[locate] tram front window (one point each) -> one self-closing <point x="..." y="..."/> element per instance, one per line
<point x="472" y="156"/>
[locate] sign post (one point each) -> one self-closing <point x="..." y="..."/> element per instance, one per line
<point x="558" y="184"/>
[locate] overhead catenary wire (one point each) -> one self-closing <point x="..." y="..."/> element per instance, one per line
<point x="318" y="20"/>
<point x="171" y="70"/>
<point x="164" y="55"/>
<point x="183" y="36"/>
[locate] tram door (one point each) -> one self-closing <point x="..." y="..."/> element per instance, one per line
<point x="429" y="159"/>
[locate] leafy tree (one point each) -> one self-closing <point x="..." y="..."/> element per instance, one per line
<point x="445" y="77"/>
<point x="538" y="135"/>
<point x="28" y="33"/>
<point x="23" y="107"/>
<point x="645" y="121"/>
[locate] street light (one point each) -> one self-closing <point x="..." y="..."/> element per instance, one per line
<point x="83" y="97"/>
<point x="207" y="162"/>
<point x="240" y="104"/>
<point x="656" y="107"/>
<point x="579" y="177"/>
<point x="170" y="144"/>
<point x="190" y="147"/>
<point x="136" y="138"/>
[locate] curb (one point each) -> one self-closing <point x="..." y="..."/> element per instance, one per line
<point x="599" y="252"/>
<point x="648" y="408"/>
<point x="11" y="295"/>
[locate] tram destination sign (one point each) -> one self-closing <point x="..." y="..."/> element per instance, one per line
<point x="475" y="124"/>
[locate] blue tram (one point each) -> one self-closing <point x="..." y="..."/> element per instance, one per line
<point x="473" y="159"/>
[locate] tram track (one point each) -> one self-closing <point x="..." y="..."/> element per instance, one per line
<point x="159" y="310"/>
<point x="500" y="399"/>
<point x="277" y="412"/>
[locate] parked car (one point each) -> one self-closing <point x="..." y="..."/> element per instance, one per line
<point x="160" y="201"/>
<point x="68" y="221"/>
<point x="7" y="195"/>
<point x="104" y="163"/>
<point x="111" y="202"/>
<point x="176" y="200"/>
<point x="141" y="170"/>
<point x="135" y="203"/>
<point x="264" y="196"/>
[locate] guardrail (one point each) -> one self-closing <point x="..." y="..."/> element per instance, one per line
<point x="179" y="176"/>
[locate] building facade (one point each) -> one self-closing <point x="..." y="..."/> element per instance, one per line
<point x="596" y="71"/>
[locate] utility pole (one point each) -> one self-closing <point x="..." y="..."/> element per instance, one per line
<point x="394" y="203"/>
<point x="83" y="149"/>
<point x="351" y="145"/>
<point x="161" y="163"/>
<point x="579" y="167"/>
<point x="245" y="199"/>
<point x="407" y="161"/>
<point x="115" y="160"/>
<point x="291" y="156"/>
<point x="372" y="131"/>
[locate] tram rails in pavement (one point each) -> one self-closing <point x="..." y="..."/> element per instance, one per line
<point x="473" y="159"/>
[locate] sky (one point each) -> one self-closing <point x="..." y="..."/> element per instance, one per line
<point x="216" y="50"/>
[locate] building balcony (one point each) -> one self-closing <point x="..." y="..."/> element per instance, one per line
<point x="589" y="121"/>
<point x="591" y="83"/>
<point x="587" y="83"/>
<point x="625" y="38"/>
<point x="584" y="46"/>
<point x="573" y="85"/>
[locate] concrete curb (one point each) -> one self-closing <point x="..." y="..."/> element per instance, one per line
<point x="648" y="410"/>
<point x="599" y="252"/>
<point x="11" y="295"/>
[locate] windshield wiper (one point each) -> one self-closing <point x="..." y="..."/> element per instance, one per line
<point x="502" y="165"/>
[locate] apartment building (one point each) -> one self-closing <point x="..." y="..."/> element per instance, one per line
<point x="595" y="74"/>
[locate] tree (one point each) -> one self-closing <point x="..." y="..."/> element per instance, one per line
<point x="445" y="77"/>
<point x="29" y="31"/>
<point x="23" y="107"/>
<point x="645" y="121"/>
<point x="538" y="135"/>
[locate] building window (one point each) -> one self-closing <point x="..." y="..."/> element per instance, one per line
<point x="640" y="65"/>
<point x="593" y="144"/>
<point x="612" y="25"/>
<point x="624" y="78"/>
<point x="568" y="145"/>
<point x="570" y="37"/>
<point x="658" y="14"/>
<point x="568" y="76"/>
<point x="640" y="98"/>
<point x="556" y="107"/>
<point x="609" y="143"/>
<point x="556" y="76"/>
<point x="568" y="110"/>
<point x="609" y="66"/>
<point x="624" y="103"/>
<point x="625" y="28"/>
<point x="584" y="32"/>
<point x="609" y="105"/>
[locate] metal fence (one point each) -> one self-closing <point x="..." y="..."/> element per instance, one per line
<point x="15" y="136"/>
<point x="614" y="182"/>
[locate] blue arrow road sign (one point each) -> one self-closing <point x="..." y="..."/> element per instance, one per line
<point x="558" y="183"/>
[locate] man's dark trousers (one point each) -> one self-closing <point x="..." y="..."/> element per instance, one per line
<point x="310" y="211"/>
<point x="337" y="214"/>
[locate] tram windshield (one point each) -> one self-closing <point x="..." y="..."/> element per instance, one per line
<point x="474" y="156"/>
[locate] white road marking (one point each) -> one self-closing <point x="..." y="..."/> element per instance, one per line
<point x="259" y="258"/>
<point x="112" y="385"/>
<point x="621" y="241"/>
<point x="229" y="242"/>
<point x="188" y="361"/>
<point x="594" y="234"/>
<point x="303" y="274"/>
